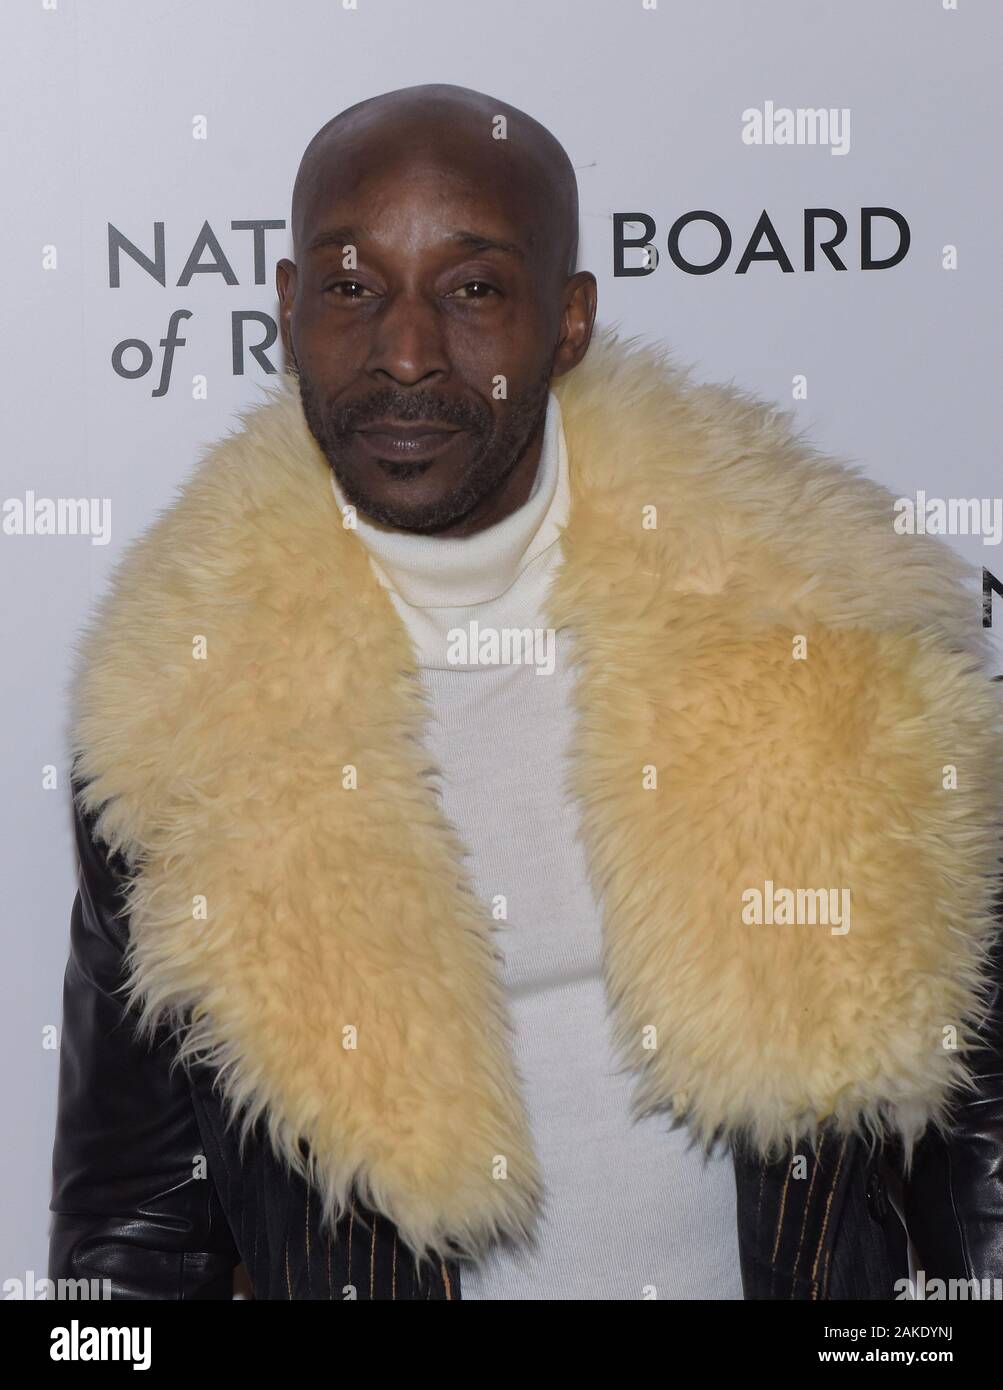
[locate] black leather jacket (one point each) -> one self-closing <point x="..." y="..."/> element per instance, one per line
<point x="151" y="1192"/>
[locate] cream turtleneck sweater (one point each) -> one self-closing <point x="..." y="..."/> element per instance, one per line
<point x="631" y="1208"/>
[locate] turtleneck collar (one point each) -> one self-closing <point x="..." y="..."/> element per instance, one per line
<point x="429" y="572"/>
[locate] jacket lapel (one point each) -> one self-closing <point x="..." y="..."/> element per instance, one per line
<point x="250" y="720"/>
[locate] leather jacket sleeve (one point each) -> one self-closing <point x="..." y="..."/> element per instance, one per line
<point x="953" y="1197"/>
<point x="130" y="1203"/>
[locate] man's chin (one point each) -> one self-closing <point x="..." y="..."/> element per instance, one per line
<point x="404" y="470"/>
<point x="402" y="513"/>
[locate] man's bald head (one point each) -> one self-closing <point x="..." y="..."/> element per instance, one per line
<point x="458" y="130"/>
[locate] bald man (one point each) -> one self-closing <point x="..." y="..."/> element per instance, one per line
<point x="432" y="863"/>
<point x="424" y="372"/>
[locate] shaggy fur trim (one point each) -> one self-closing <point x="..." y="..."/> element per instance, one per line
<point x="322" y="946"/>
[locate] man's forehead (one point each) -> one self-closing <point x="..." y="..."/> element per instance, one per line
<point x="350" y="198"/>
<point x="465" y="239"/>
<point x="353" y="179"/>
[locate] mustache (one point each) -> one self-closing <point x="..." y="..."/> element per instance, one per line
<point x="391" y="405"/>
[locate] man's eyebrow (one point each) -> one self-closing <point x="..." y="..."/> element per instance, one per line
<point x="335" y="236"/>
<point x="471" y="241"/>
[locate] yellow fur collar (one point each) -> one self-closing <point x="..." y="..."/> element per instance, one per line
<point x="321" y="945"/>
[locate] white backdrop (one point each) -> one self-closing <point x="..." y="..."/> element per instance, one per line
<point x="125" y="114"/>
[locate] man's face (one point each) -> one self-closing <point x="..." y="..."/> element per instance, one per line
<point x="424" y="366"/>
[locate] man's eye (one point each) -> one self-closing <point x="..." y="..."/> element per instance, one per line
<point x="352" y="289"/>
<point x="340" y="285"/>
<point x="481" y="285"/>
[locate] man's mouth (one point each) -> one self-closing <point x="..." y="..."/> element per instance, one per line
<point x="389" y="439"/>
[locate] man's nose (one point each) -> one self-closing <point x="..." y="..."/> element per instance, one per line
<point x="408" y="341"/>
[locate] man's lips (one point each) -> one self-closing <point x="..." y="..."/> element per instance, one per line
<point x="387" y="439"/>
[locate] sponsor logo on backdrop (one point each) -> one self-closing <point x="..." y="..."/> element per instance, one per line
<point x="252" y="331"/>
<point x="712" y="244"/>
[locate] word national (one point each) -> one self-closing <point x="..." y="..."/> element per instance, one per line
<point x="502" y="646"/>
<point x="827" y="907"/>
<point x="806" y="125"/>
<point x="950" y="516"/>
